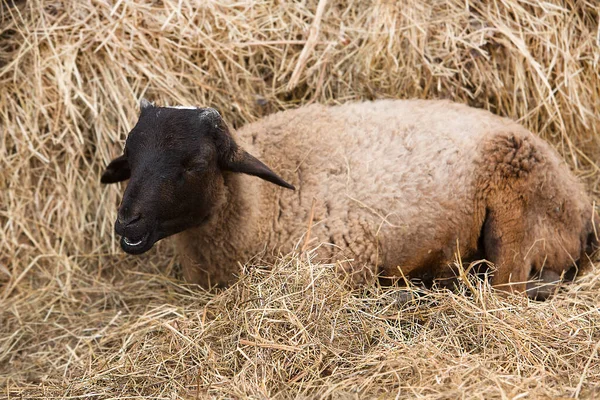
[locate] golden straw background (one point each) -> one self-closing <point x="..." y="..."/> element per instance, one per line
<point x="80" y="319"/>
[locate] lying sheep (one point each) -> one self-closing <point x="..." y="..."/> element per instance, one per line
<point x="398" y="187"/>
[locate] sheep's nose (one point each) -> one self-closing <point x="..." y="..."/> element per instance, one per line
<point x="128" y="220"/>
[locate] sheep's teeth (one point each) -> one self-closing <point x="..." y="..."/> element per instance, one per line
<point x="128" y="243"/>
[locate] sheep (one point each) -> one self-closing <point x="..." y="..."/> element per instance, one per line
<point x="397" y="187"/>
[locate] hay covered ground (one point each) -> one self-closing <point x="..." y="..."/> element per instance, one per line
<point x="80" y="319"/>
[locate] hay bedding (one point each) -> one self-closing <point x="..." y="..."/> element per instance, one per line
<point x="79" y="319"/>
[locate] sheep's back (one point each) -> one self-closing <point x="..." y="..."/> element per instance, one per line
<point x="389" y="171"/>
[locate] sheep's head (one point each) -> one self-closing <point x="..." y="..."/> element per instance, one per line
<point x="175" y="159"/>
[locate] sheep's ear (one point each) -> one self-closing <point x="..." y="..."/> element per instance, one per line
<point x="116" y="171"/>
<point x="246" y="163"/>
<point x="231" y="156"/>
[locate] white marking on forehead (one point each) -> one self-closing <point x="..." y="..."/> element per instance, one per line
<point x="183" y="107"/>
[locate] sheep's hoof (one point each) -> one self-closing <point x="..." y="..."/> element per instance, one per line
<point x="544" y="285"/>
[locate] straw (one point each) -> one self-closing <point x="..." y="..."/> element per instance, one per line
<point x="81" y="319"/>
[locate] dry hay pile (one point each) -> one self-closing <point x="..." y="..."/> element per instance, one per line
<point x="81" y="319"/>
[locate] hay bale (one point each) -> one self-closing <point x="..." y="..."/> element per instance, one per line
<point x="79" y="318"/>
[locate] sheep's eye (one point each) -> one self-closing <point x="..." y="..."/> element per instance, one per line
<point x="192" y="167"/>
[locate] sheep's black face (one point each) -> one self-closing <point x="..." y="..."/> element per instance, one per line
<point x="174" y="159"/>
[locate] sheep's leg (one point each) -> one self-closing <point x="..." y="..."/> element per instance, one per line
<point x="194" y="273"/>
<point x="206" y="277"/>
<point x="191" y="273"/>
<point x="503" y="233"/>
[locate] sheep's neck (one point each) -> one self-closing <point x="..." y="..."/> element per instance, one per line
<point x="210" y="253"/>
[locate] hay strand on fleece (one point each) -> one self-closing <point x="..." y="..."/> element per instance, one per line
<point x="79" y="318"/>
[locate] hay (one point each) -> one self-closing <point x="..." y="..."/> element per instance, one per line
<point x="81" y="319"/>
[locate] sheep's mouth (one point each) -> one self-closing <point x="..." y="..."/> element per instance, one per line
<point x="130" y="244"/>
<point x="138" y="245"/>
